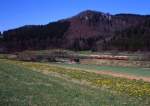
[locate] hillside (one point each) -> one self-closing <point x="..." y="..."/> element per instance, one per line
<point x="88" y="30"/>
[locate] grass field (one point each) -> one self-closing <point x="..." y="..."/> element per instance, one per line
<point x="126" y="70"/>
<point x="41" y="84"/>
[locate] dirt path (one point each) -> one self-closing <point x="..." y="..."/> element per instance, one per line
<point x="110" y="73"/>
<point x="114" y="74"/>
<point x="123" y="75"/>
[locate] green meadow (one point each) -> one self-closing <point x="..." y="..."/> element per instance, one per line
<point x="42" y="84"/>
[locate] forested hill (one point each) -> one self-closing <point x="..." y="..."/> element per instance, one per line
<point x="88" y="30"/>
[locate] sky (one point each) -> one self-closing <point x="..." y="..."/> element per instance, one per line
<point x="16" y="13"/>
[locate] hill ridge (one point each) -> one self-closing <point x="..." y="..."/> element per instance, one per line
<point x="88" y="30"/>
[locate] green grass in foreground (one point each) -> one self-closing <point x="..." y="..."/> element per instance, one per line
<point x="21" y="85"/>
